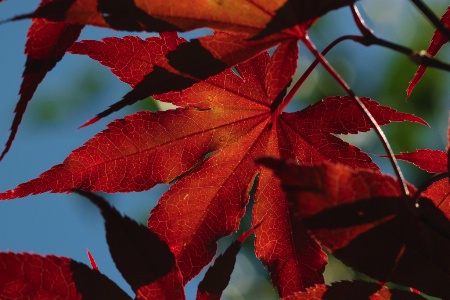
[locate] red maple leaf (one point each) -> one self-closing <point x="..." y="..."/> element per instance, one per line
<point x="145" y="262"/>
<point x="258" y="25"/>
<point x="31" y="276"/>
<point x="361" y="217"/>
<point x="252" y="16"/>
<point x="209" y="145"/>
<point x="46" y="45"/>
<point x="432" y="161"/>
<point x="437" y="41"/>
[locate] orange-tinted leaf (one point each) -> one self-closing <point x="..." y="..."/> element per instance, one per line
<point x="46" y="45"/>
<point x="30" y="276"/>
<point x="208" y="203"/>
<point x="294" y="12"/>
<point x="145" y="261"/>
<point x="190" y="63"/>
<point x="239" y="15"/>
<point x="360" y="216"/>
<point x="437" y="41"/>
<point x="200" y="58"/>
<point x="209" y="145"/>
<point x="432" y="161"/>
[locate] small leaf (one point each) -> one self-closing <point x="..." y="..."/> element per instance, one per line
<point x="432" y="161"/>
<point x="92" y="260"/>
<point x="141" y="257"/>
<point x="437" y="41"/>
<point x="218" y="276"/>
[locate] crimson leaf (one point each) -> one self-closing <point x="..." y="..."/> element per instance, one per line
<point x="46" y="45"/>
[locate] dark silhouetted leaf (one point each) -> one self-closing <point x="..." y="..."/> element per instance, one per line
<point x="351" y="290"/>
<point x="218" y="275"/>
<point x="93" y="285"/>
<point x="139" y="254"/>
<point x="294" y="12"/>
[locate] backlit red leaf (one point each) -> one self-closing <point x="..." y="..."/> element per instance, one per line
<point x="278" y="21"/>
<point x="46" y="45"/>
<point x="439" y="193"/>
<point x="294" y="259"/>
<point x="432" y="161"/>
<point x="23" y="276"/>
<point x="129" y="58"/>
<point x="294" y="12"/>
<point x="360" y="216"/>
<point x="30" y="276"/>
<point x="188" y="64"/>
<point x="239" y="15"/>
<point x="92" y="260"/>
<point x="437" y="41"/>
<point x="209" y="145"/>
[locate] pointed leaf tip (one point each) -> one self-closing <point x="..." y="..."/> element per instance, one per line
<point x="437" y="41"/>
<point x="432" y="161"/>
<point x="218" y="275"/>
<point x="90" y="122"/>
<point x="92" y="261"/>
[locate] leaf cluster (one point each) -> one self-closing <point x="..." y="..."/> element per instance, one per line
<point x="229" y="139"/>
